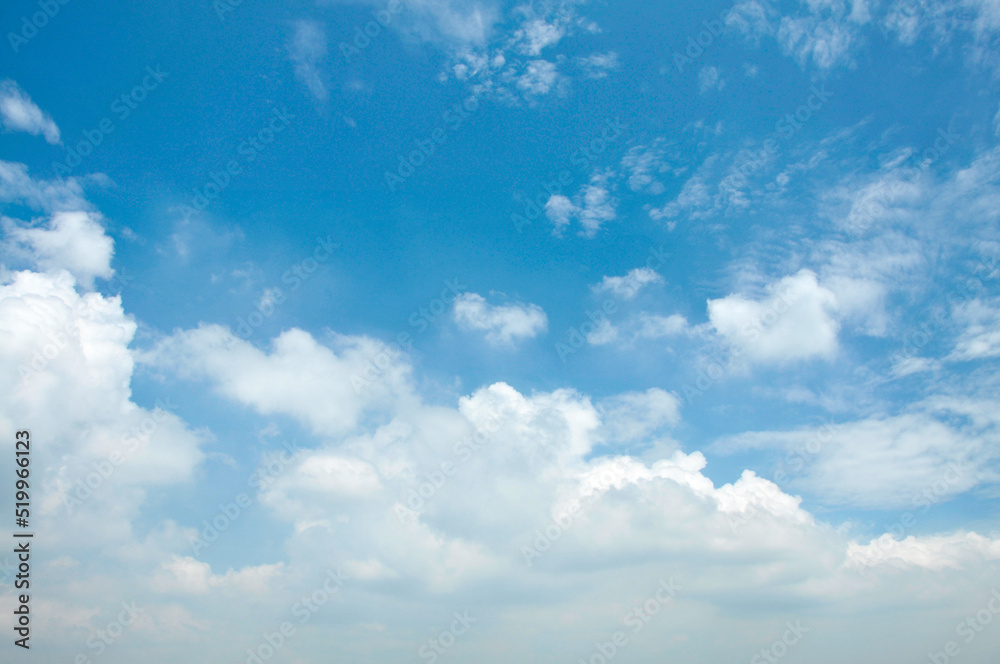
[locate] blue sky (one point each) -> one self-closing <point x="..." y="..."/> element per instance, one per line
<point x="536" y="312"/>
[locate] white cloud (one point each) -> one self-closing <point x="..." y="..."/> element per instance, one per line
<point x="342" y="375"/>
<point x="449" y="23"/>
<point x="73" y="241"/>
<point x="628" y="286"/>
<point x="901" y="462"/>
<point x="826" y="43"/>
<point x="643" y="325"/>
<point x="308" y="50"/>
<point x="16" y="186"/>
<point x="598" y="65"/>
<point x="70" y="366"/>
<point x="653" y="326"/>
<point x="503" y="324"/>
<point x="501" y="466"/>
<point x="19" y="113"/>
<point x="560" y="210"/>
<point x="981" y="336"/>
<point x="634" y="416"/>
<point x="935" y="553"/>
<point x="536" y="34"/>
<point x="187" y="576"/>
<point x="646" y="163"/>
<point x="539" y="77"/>
<point x="796" y="320"/>
<point x="709" y="79"/>
<point x="593" y="206"/>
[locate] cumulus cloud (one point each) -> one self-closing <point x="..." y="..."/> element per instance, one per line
<point x="345" y="374"/>
<point x="795" y="320"/>
<point x="71" y="369"/>
<point x="19" y="113"/>
<point x="73" y="241"/>
<point x="503" y="323"/>
<point x="628" y="286"/>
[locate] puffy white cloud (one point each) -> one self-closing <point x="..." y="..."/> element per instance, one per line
<point x="504" y="323"/>
<point x="934" y="553"/>
<point x="102" y="452"/>
<point x="299" y="376"/>
<point x="19" y="113"/>
<point x="628" y="286"/>
<point x="796" y="320"/>
<point x="72" y="241"/>
<point x="456" y="499"/>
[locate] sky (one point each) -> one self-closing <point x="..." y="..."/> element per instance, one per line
<point x="478" y="331"/>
